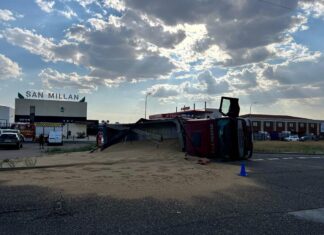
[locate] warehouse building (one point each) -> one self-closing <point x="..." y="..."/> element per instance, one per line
<point x="283" y="123"/>
<point x="64" y="114"/>
<point x="7" y="115"/>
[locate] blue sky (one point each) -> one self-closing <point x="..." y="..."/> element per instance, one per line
<point x="269" y="53"/>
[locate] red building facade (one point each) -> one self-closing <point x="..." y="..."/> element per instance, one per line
<point x="281" y="123"/>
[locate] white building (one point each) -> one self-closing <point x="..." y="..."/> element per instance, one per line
<point x="7" y="116"/>
<point x="68" y="116"/>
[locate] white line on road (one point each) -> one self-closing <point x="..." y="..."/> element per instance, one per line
<point x="302" y="157"/>
<point x="316" y="215"/>
<point x="287" y="158"/>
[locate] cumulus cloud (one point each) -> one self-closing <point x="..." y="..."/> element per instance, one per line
<point x="8" y="68"/>
<point x="300" y="72"/>
<point x="155" y="34"/>
<point x="204" y="85"/>
<point x="243" y="29"/>
<point x="243" y="79"/>
<point x="213" y="85"/>
<point x="34" y="43"/>
<point x="46" y="5"/>
<point x="85" y="3"/>
<point x="314" y="8"/>
<point x="108" y="52"/>
<point x="6" y="15"/>
<point x="53" y="79"/>
<point x="68" y="13"/>
<point x="115" y="4"/>
<point x="163" y="90"/>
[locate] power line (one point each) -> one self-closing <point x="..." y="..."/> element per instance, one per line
<point x="276" y="4"/>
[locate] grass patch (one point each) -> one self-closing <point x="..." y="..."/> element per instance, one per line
<point x="70" y="150"/>
<point x="307" y="147"/>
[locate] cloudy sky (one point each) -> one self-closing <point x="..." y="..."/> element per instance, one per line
<point x="268" y="53"/>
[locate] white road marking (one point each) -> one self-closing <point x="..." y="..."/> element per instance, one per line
<point x="286" y="158"/>
<point x="302" y="157"/>
<point x="316" y="215"/>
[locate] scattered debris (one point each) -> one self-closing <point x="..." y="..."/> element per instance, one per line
<point x="59" y="209"/>
<point x="203" y="161"/>
<point x="186" y="156"/>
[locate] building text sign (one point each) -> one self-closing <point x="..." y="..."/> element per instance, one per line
<point x="51" y="95"/>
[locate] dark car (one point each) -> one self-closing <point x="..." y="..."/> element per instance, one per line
<point x="10" y="140"/>
<point x="309" y="137"/>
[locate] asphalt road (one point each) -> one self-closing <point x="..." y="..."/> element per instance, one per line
<point x="289" y="183"/>
<point x="33" y="150"/>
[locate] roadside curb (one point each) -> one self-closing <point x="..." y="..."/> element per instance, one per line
<point x="311" y="154"/>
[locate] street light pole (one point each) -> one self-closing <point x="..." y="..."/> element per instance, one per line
<point x="251" y="108"/>
<point x="146" y="103"/>
<point x="251" y="119"/>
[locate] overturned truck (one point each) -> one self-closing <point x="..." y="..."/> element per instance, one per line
<point x="228" y="137"/>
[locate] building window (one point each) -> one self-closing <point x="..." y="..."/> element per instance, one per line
<point x="267" y="124"/>
<point x="255" y="124"/>
<point x="312" y="125"/>
<point x="279" y="124"/>
<point x="301" y="125"/>
<point x="291" y="124"/>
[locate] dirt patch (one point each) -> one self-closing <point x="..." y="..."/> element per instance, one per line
<point x="130" y="170"/>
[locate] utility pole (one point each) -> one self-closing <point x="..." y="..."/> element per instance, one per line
<point x="251" y="108"/>
<point x="149" y="93"/>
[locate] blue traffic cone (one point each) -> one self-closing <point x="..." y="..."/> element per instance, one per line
<point x="243" y="171"/>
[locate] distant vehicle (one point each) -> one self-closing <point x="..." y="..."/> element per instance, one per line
<point x="261" y="135"/>
<point x="265" y="135"/>
<point x="21" y="137"/>
<point x="10" y="140"/>
<point x="308" y="137"/>
<point x="55" y="137"/>
<point x="284" y="134"/>
<point x="292" y="138"/>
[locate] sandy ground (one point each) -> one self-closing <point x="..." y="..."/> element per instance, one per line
<point x="127" y="170"/>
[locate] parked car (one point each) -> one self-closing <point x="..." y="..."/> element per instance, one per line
<point x="10" y="140"/>
<point x="22" y="138"/>
<point x="308" y="137"/>
<point x="284" y="134"/>
<point x="292" y="138"/>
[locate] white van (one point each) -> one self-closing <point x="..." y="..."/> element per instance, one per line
<point x="55" y="137"/>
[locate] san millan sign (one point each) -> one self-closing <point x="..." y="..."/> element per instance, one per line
<point x="51" y="95"/>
